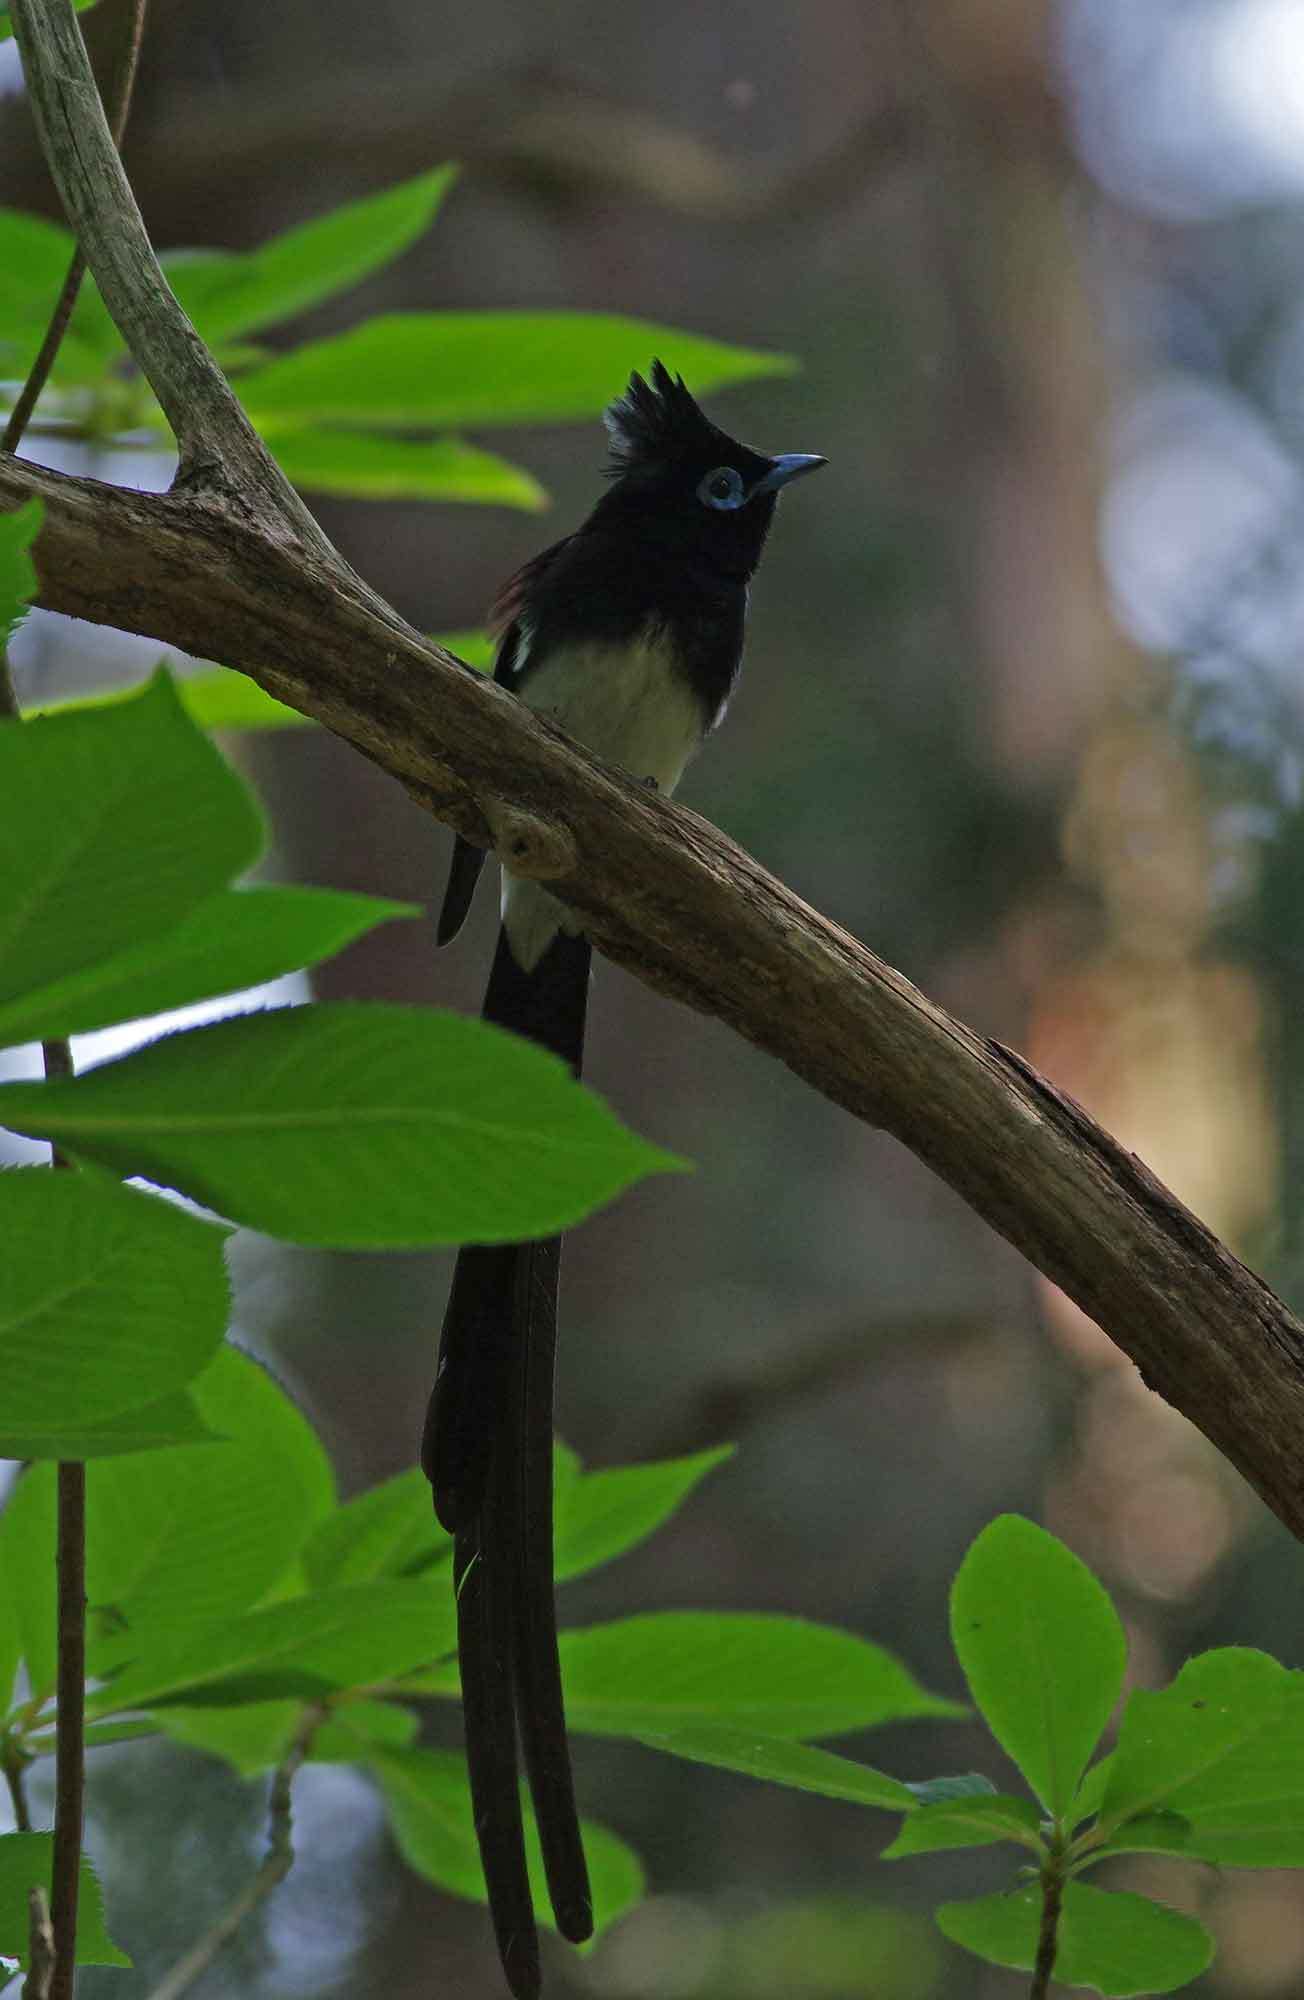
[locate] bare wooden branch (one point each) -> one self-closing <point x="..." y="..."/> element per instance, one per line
<point x="671" y="898"/>
<point x="40" y="1946"/>
<point x="221" y="455"/>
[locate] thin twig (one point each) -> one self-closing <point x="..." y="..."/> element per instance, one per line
<point x="60" y="1978"/>
<point x="70" y="1558"/>
<point x="70" y="1748"/>
<point x="40" y="1947"/>
<point x="39" y="374"/>
<point x="276" y="1865"/>
<point x="221" y="455"/>
<point x="15" y="1765"/>
<point x="1052" y="1897"/>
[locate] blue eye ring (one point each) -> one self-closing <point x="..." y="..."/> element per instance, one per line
<point x="723" y="489"/>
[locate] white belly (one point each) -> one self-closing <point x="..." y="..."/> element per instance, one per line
<point x="627" y="705"/>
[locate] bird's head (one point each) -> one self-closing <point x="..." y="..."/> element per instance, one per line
<point x="686" y="480"/>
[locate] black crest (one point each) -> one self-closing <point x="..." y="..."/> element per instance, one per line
<point x="655" y="421"/>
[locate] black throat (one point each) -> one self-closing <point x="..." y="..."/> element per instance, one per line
<point x="613" y="583"/>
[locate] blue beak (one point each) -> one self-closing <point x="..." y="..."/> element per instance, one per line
<point x="792" y="465"/>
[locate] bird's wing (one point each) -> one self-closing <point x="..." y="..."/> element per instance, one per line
<point x="509" y="662"/>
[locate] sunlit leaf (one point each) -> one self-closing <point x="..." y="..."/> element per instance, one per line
<point x="1148" y="1833"/>
<point x="236" y="939"/>
<point x="83" y="796"/>
<point x="601" y="1514"/>
<point x="1224" y="1748"/>
<point x="176" y="1538"/>
<point x="353" y="1126"/>
<point x="1042" y="1649"/>
<point x="429" y="1804"/>
<point x="351" y="1637"/>
<point x="25" y="1862"/>
<point x="238" y="292"/>
<point x="18" y="530"/>
<point x="250" y="1738"/>
<point x="662" y="1672"/>
<point x="977" y="1821"/>
<point x="798" y="1765"/>
<point x="172" y="1420"/>
<point x="1110" y="1943"/>
<point x="34" y="256"/>
<point x="358" y="1727"/>
<point x="220" y="698"/>
<point x="109" y="1299"/>
<point x="452" y="370"/>
<point x="353" y="465"/>
<point x="382" y="1532"/>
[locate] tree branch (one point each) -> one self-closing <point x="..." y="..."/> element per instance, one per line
<point x="275" y="1866"/>
<point x="124" y="84"/>
<point x="223" y="571"/>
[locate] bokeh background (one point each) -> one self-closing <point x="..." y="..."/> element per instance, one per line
<point x="1022" y="709"/>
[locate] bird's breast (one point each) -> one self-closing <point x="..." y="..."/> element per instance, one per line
<point x="629" y="703"/>
<point x="626" y="702"/>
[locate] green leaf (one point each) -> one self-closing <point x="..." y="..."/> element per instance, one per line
<point x="1224" y="1747"/>
<point x="215" y="698"/>
<point x="1086" y="1800"/>
<point x="83" y="795"/>
<point x="353" y="1126"/>
<point x="11" y="1645"/>
<point x="664" y="1672"/>
<point x="238" y="292"/>
<point x="25" y="1863"/>
<point x="109" y="1299"/>
<point x="173" y="1420"/>
<point x="256" y="1736"/>
<point x="474" y="649"/>
<point x="1113" y="1944"/>
<point x="34" y="256"/>
<point x="797" y="1765"/>
<point x="355" y="1636"/>
<point x="1042" y="1649"/>
<point x="446" y="370"/>
<point x="220" y="698"/>
<point x="18" y="530"/>
<point x="5" y="35"/>
<point x="977" y="1821"/>
<point x="389" y="1529"/>
<point x="175" y="1538"/>
<point x="429" y="1804"/>
<point x="1149" y="1833"/>
<point x="1196" y="1729"/>
<point x="601" y="1514"/>
<point x="236" y="939"/>
<point x="362" y="467"/>
<point x="943" y="1791"/>
<point x="250" y="1739"/>
<point x="357" y="1728"/>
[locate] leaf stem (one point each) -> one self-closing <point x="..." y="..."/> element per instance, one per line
<point x="1052" y="1898"/>
<point x="276" y="1865"/>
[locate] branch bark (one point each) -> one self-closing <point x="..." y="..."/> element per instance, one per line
<point x="224" y="566"/>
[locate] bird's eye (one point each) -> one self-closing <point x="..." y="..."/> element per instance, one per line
<point x="722" y="488"/>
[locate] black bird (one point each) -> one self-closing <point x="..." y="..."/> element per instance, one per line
<point x="629" y="633"/>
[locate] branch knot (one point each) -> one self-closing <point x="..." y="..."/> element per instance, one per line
<point x="540" y="850"/>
